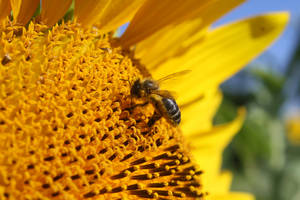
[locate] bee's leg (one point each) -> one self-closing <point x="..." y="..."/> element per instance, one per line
<point x="155" y="117"/>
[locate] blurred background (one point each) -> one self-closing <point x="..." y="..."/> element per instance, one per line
<point x="265" y="155"/>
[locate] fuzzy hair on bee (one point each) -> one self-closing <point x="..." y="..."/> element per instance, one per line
<point x="162" y="100"/>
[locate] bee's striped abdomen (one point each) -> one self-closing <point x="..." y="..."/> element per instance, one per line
<point x="172" y="110"/>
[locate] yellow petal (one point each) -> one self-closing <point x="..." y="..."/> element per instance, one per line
<point x="4" y="9"/>
<point x="118" y="13"/>
<point x="155" y="14"/>
<point x="23" y="10"/>
<point x="109" y="14"/>
<point x="179" y="36"/>
<point x="233" y="196"/>
<point x="207" y="148"/>
<point x="54" y="10"/>
<point x="197" y="117"/>
<point x="209" y="160"/>
<point x="223" y="52"/>
<point x="158" y="47"/>
<point x="220" y="135"/>
<point x="88" y="11"/>
<point x="220" y="185"/>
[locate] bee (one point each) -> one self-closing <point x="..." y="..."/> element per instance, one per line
<point x="162" y="100"/>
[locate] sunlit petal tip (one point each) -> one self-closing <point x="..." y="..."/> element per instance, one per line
<point x="267" y="23"/>
<point x="282" y="17"/>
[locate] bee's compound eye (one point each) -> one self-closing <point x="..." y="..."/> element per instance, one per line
<point x="136" y="88"/>
<point x="150" y="85"/>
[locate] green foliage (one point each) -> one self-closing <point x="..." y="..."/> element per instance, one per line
<point x="263" y="161"/>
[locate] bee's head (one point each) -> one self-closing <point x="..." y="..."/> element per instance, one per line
<point x="136" y="89"/>
<point x="143" y="88"/>
<point x="149" y="85"/>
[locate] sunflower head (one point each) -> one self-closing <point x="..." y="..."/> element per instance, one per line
<point x="293" y="129"/>
<point x="72" y="123"/>
<point x="69" y="128"/>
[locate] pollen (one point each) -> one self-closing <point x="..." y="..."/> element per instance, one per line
<point x="68" y="125"/>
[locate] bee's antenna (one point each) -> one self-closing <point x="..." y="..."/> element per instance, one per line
<point x="126" y="80"/>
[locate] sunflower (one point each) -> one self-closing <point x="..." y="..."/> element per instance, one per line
<point x="68" y="122"/>
<point x="293" y="129"/>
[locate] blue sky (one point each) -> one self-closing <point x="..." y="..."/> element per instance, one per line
<point x="280" y="53"/>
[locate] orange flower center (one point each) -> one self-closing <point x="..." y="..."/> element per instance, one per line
<point x="68" y="127"/>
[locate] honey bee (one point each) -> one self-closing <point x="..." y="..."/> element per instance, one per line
<point x="162" y="100"/>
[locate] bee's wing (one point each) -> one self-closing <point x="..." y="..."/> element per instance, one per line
<point x="165" y="93"/>
<point x="173" y="76"/>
